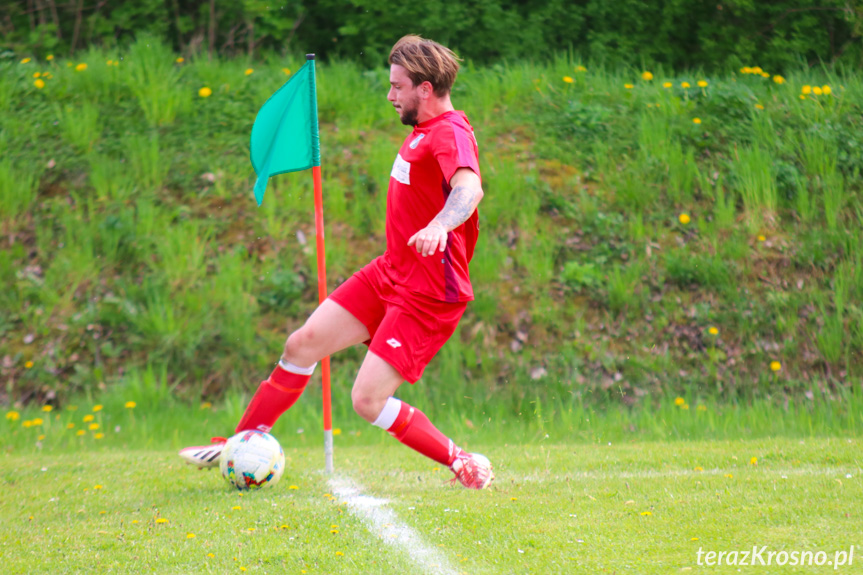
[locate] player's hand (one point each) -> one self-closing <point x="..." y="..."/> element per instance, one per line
<point x="429" y="239"/>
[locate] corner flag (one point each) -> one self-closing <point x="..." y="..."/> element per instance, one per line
<point x="285" y="139"/>
<point x="285" y="133"/>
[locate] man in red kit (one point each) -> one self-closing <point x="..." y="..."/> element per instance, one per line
<point x="405" y="304"/>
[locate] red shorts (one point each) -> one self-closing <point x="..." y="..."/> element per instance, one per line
<point x="406" y="329"/>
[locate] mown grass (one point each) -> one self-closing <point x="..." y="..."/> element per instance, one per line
<point x="556" y="508"/>
<point x="639" y="241"/>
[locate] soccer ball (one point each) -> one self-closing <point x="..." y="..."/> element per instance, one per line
<point x="251" y="460"/>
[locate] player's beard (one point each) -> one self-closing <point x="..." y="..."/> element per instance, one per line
<point x="410" y="112"/>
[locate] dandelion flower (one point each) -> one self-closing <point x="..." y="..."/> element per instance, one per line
<point x="745" y="70"/>
<point x="180" y="60"/>
<point x="684" y="219"/>
<point x="210" y="555"/>
<point x="568" y="79"/>
<point x="70" y="425"/>
<point x="762" y="239"/>
<point x="29" y="364"/>
<point x="694" y="539"/>
<point x="97" y="487"/>
<point x="97" y="408"/>
<point x="47" y="408"/>
<point x="699" y="468"/>
<point x="339" y="553"/>
<point x="580" y="69"/>
<point x="778" y="79"/>
<point x="93" y="426"/>
<point x="337" y="431"/>
<point x="826" y="90"/>
<point x="27" y="424"/>
<point x="88" y="418"/>
<point x="205" y="92"/>
<point x="696" y="120"/>
<point x="645" y="513"/>
<point x="80" y="432"/>
<point x="759" y="107"/>
<point x="775" y="366"/>
<point x="36" y="74"/>
<point x="684" y="85"/>
<point x="817" y="90"/>
<point x="702" y="83"/>
<point x="236" y="508"/>
<point x="161" y="520"/>
<point x="685" y="406"/>
<point x="249" y="71"/>
<point x="38" y="421"/>
<point x="13" y="416"/>
<point x="729" y="476"/>
<point x="667" y="85"/>
<point x="807" y="89"/>
<point x="292" y="487"/>
<point x="679" y="401"/>
<point x="109" y="63"/>
<point x="646" y="76"/>
<point x="98" y="436"/>
<point x="81" y="67"/>
<point x="334" y="531"/>
<point x="628" y="86"/>
<point x="25" y="61"/>
<point x="130" y="405"/>
<point x="753" y="461"/>
<point x="190" y="535"/>
<point x="802" y="97"/>
<point x="49" y="57"/>
<point x="765" y="75"/>
<point x="40" y="438"/>
<point x="286" y="71"/>
<point x="206" y="405"/>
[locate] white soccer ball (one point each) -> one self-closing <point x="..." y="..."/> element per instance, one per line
<point x="251" y="460"/>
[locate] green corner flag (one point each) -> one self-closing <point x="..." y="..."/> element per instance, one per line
<point x="285" y="133"/>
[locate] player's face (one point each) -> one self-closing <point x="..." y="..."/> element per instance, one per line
<point x="404" y="95"/>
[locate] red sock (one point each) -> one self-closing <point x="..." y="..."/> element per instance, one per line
<point x="414" y="429"/>
<point x="274" y="397"/>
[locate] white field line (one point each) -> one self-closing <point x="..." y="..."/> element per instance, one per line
<point x="384" y="523"/>
<point x="776" y="473"/>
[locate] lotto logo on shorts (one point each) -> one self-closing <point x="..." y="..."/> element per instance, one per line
<point x="394" y="343"/>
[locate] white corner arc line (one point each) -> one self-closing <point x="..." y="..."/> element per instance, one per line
<point x="383" y="522"/>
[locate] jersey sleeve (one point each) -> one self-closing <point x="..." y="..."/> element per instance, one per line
<point x="456" y="148"/>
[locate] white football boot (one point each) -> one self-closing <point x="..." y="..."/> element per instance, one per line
<point x="204" y="456"/>
<point x="472" y="470"/>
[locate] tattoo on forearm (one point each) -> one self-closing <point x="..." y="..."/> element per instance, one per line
<point x="460" y="204"/>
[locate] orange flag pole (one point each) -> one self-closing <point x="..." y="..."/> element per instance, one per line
<point x="322" y="295"/>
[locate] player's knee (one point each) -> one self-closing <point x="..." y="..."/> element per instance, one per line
<point x="298" y="346"/>
<point x="365" y="405"/>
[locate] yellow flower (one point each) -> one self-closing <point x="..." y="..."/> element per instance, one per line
<point x="684" y="85"/>
<point x="646" y="76"/>
<point x="568" y="79"/>
<point x="210" y="555"/>
<point x="339" y="553"/>
<point x="765" y="75"/>
<point x="38" y="421"/>
<point x="817" y="90"/>
<point x="81" y="67"/>
<point x="236" y="508"/>
<point x="70" y="425"/>
<point x="827" y="90"/>
<point x="49" y="57"/>
<point x="757" y="70"/>
<point x="93" y="426"/>
<point x="684" y="406"/>
<point x="130" y="405"/>
<point x="712" y="331"/>
<point x="180" y="60"/>
<point x="729" y="476"/>
<point x="684" y="219"/>
<point x="109" y="63"/>
<point x="97" y="408"/>
<point x="807" y="89"/>
<point x="696" y="120"/>
<point x="643" y="513"/>
<point x="13" y="416"/>
<point x="97" y="487"/>
<point x="36" y="74"/>
<point x="98" y="435"/>
<point x="337" y="431"/>
<point x="287" y="71"/>
<point x="667" y="85"/>
<point x="80" y="432"/>
<point x="292" y="487"/>
<point x="745" y="70"/>
<point x="759" y="107"/>
<point x="702" y="83"/>
<point x="334" y="531"/>
<point x="628" y="86"/>
<point x="778" y="79"/>
<point x="775" y="366"/>
<point x="679" y="401"/>
<point x="206" y="405"/>
<point x="802" y="97"/>
<point x="762" y="239"/>
<point x="161" y="520"/>
<point x="205" y="92"/>
<point x="27" y="423"/>
<point x="249" y="71"/>
<point x="47" y="408"/>
<point x="29" y="364"/>
<point x="242" y="568"/>
<point x="753" y="461"/>
<point x="580" y="69"/>
<point x="699" y="468"/>
<point x="25" y="61"/>
<point x="40" y="438"/>
<point x="88" y="418"/>
<point x="190" y="535"/>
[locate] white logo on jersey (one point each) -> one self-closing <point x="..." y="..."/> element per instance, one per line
<point x="401" y="170"/>
<point x="417" y="141"/>
<point x="394" y="343"/>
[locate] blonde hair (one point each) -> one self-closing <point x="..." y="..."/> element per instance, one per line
<point x="426" y="61"/>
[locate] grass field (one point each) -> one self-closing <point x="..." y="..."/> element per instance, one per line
<point x="638" y="507"/>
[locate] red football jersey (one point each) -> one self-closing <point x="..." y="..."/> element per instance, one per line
<point x="419" y="187"/>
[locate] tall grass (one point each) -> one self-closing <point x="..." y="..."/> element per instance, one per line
<point x="757" y="187"/>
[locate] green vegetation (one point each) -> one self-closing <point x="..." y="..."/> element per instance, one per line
<point x="645" y="235"/>
<point x="554" y="508"/>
